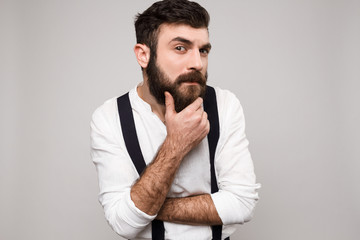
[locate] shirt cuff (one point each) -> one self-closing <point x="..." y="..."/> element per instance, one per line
<point x="134" y="216"/>
<point x="224" y="207"/>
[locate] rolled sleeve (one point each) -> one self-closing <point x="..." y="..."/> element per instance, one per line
<point x="233" y="209"/>
<point x="116" y="173"/>
<point x="237" y="196"/>
<point x="128" y="220"/>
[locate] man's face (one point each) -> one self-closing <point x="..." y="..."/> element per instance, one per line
<point x="180" y="66"/>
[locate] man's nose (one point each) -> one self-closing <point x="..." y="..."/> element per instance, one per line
<point x="195" y="61"/>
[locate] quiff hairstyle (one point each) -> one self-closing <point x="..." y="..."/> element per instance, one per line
<point x="168" y="11"/>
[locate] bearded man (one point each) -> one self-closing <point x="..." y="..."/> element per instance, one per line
<point x="177" y="193"/>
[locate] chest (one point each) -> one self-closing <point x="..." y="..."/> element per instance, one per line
<point x="193" y="175"/>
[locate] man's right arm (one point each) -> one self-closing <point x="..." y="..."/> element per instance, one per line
<point x="184" y="131"/>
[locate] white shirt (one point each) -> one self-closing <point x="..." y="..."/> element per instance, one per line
<point x="237" y="194"/>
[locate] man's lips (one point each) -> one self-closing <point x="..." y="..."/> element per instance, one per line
<point x="191" y="83"/>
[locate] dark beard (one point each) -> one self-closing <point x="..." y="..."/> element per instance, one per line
<point x="183" y="95"/>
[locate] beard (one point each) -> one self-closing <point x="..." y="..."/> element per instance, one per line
<point x="183" y="94"/>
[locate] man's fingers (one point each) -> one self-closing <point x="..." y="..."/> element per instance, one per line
<point x="196" y="104"/>
<point x="169" y="103"/>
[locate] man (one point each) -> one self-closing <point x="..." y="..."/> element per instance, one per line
<point x="172" y="127"/>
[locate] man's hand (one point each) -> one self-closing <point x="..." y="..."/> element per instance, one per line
<point x="187" y="128"/>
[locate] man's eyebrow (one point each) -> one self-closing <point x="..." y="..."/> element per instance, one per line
<point x="188" y="42"/>
<point x="183" y="40"/>
<point x="206" y="46"/>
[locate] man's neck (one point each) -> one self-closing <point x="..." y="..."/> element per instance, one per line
<point x="144" y="93"/>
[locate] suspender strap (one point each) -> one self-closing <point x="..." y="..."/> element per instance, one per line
<point x="133" y="148"/>
<point x="210" y="107"/>
<point x="129" y="132"/>
<point x="157" y="230"/>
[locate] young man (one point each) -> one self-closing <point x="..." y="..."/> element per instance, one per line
<point x="176" y="186"/>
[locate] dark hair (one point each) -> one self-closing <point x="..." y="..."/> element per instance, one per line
<point x="168" y="11"/>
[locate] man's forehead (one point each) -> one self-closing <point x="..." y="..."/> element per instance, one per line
<point x="169" y="32"/>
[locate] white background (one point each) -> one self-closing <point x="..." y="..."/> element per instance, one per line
<point x="293" y="64"/>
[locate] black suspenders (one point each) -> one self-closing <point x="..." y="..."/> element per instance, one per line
<point x="133" y="148"/>
<point x="210" y="107"/>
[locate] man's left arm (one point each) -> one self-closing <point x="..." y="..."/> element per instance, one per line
<point x="197" y="210"/>
<point x="237" y="196"/>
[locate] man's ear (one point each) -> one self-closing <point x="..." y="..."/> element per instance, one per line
<point x="142" y="54"/>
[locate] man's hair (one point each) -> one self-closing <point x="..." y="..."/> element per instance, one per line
<point x="168" y="11"/>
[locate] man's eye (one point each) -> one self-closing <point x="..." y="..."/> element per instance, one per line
<point x="204" y="51"/>
<point x="180" y="48"/>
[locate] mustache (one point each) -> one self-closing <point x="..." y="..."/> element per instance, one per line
<point x="193" y="77"/>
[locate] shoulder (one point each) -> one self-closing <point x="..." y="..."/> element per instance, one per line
<point x="106" y="109"/>
<point x="107" y="114"/>
<point x="226" y="99"/>
<point x="229" y="109"/>
<point x="106" y="117"/>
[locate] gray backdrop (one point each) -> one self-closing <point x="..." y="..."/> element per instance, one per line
<point x="293" y="64"/>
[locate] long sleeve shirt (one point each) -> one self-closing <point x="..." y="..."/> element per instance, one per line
<point x="237" y="195"/>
